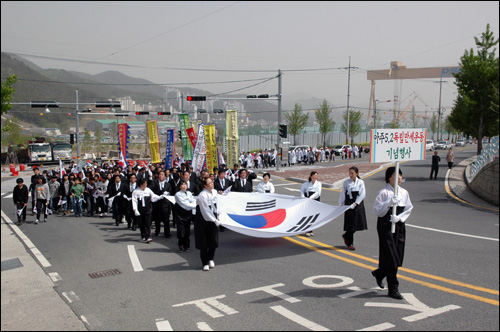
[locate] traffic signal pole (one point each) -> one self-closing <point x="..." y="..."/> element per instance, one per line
<point x="278" y="142"/>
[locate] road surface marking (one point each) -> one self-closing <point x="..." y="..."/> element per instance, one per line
<point x="299" y="319"/>
<point x="134" y="259"/>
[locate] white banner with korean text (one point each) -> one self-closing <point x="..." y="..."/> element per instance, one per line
<point x="392" y="145"/>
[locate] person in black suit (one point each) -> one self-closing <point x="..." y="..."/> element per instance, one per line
<point x="161" y="208"/>
<point x="116" y="190"/>
<point x="244" y="183"/>
<point x="174" y="183"/>
<point x="129" y="212"/>
<point x="191" y="184"/>
<point x="221" y="183"/>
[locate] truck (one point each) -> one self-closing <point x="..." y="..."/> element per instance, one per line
<point x="39" y="150"/>
<point x="61" y="150"/>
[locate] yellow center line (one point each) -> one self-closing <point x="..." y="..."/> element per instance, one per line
<point x="423" y="283"/>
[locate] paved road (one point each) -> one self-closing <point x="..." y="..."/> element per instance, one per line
<point x="450" y="278"/>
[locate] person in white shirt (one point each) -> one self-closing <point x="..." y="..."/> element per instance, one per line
<point x="391" y="245"/>
<point x="353" y="194"/>
<point x="312" y="190"/>
<point x="265" y="186"/>
<point x="206" y="224"/>
<point x="184" y="209"/>
<point x="142" y="204"/>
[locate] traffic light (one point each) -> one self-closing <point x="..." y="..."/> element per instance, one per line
<point x="283" y="131"/>
<point x="180" y="135"/>
<point x="86" y="110"/>
<point x="141" y="113"/>
<point x="264" y="96"/>
<point x="252" y="96"/>
<point x="164" y="113"/>
<point x="106" y="104"/>
<point x="44" y="104"/>
<point x="196" y="98"/>
<point x="71" y="139"/>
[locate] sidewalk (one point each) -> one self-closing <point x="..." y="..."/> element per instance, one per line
<point x="30" y="302"/>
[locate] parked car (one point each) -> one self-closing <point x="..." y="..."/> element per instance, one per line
<point x="429" y="145"/>
<point x="296" y="147"/>
<point x="337" y="149"/>
<point x="460" y="142"/>
<point x="440" y="145"/>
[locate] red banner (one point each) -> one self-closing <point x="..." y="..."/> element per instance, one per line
<point x="191" y="135"/>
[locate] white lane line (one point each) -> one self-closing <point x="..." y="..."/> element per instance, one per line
<point x="299" y="319"/>
<point x="202" y="326"/>
<point x="379" y="327"/>
<point x="164" y="325"/>
<point x="453" y="233"/>
<point x="41" y="258"/>
<point x="70" y="296"/>
<point x="134" y="259"/>
<point x="293" y="189"/>
<point x="55" y="276"/>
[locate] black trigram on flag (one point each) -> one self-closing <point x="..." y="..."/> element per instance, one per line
<point x="304" y="223"/>
<point x="256" y="206"/>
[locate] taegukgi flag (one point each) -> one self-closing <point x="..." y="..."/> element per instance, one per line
<point x="274" y="215"/>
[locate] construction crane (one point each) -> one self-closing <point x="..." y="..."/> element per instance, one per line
<point x="404" y="114"/>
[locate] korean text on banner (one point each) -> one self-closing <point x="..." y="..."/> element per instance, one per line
<point x="211" y="155"/>
<point x="187" y="148"/>
<point x="199" y="151"/>
<point x="122" y="137"/>
<point x="392" y="145"/>
<point x="192" y="136"/>
<point x="232" y="137"/>
<point x="154" y="141"/>
<point x="169" y="157"/>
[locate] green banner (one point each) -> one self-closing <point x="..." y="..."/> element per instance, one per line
<point x="187" y="148"/>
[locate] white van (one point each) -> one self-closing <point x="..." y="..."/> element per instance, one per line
<point x="429" y="145"/>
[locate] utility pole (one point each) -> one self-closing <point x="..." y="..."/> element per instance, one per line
<point x="77" y="130"/>
<point x="278" y="142"/>
<point x="348" y="95"/>
<point x="439" y="107"/>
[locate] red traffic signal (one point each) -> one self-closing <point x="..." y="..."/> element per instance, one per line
<point x="196" y="98"/>
<point x="164" y="113"/>
<point x="141" y="113"/>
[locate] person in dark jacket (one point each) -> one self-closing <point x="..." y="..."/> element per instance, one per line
<point x="244" y="183"/>
<point x="435" y="165"/>
<point x="162" y="208"/>
<point x="20" y="197"/>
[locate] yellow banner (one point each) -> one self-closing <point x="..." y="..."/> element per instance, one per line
<point x="232" y="124"/>
<point x="154" y="141"/>
<point x="231" y="138"/>
<point x="211" y="154"/>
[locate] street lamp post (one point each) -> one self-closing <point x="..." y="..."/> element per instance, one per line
<point x="375" y="111"/>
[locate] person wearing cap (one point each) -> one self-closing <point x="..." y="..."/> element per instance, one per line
<point x="20" y="197"/>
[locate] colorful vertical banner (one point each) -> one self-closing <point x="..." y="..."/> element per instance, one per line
<point x="192" y="136"/>
<point x="187" y="148"/>
<point x="199" y="150"/>
<point x="232" y="139"/>
<point x="169" y="157"/>
<point x="154" y="141"/>
<point x="211" y="154"/>
<point x="123" y="135"/>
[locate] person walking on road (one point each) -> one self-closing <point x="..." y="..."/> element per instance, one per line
<point x="185" y="204"/>
<point x="42" y="196"/>
<point x="206" y="223"/>
<point x="435" y="165"/>
<point x="391" y="245"/>
<point x="20" y="196"/>
<point x="450" y="158"/>
<point x="353" y="194"/>
<point x="311" y="189"/>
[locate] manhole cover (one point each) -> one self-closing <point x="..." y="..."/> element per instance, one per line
<point x="106" y="273"/>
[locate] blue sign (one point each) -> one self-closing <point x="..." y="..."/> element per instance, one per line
<point x="169" y="159"/>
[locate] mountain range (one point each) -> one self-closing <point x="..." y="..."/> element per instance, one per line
<point x="38" y="84"/>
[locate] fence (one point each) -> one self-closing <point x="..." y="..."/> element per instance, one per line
<point x="268" y="141"/>
<point x="488" y="154"/>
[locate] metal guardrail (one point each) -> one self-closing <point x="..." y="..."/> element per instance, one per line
<point x="488" y="154"/>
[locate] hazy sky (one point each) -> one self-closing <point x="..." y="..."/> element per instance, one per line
<point x="236" y="41"/>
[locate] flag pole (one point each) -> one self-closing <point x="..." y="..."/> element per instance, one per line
<point x="396" y="187"/>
